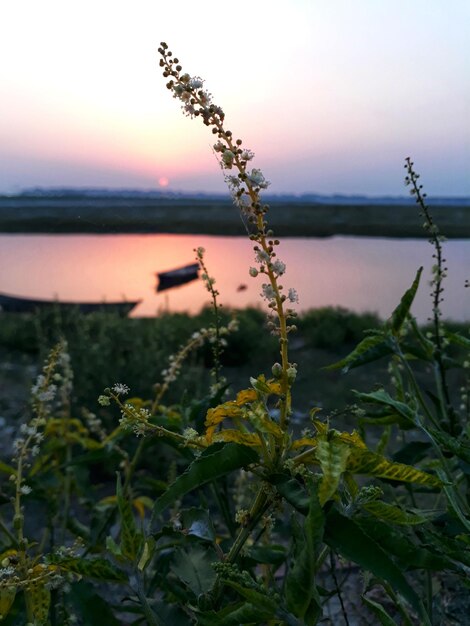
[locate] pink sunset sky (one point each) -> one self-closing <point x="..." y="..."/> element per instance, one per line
<point x="331" y="95"/>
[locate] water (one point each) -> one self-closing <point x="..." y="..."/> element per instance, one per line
<point x="362" y="274"/>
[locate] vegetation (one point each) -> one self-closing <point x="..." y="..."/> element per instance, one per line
<point x="222" y="512"/>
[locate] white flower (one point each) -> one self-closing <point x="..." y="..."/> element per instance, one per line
<point x="262" y="256"/>
<point x="190" y="434"/>
<point x="279" y="267"/>
<point x="120" y="389"/>
<point x="104" y="400"/>
<point x="247" y="155"/>
<point x="48" y="394"/>
<point x="196" y="82"/>
<point x="253" y="272"/>
<point x="7" y="571"/>
<point x="292" y="295"/>
<point x="25" y="489"/>
<point x="257" y="178"/>
<point x="219" y="146"/>
<point x="268" y="292"/>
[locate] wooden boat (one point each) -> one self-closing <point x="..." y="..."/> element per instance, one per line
<point x="15" y="304"/>
<point x="177" y="277"/>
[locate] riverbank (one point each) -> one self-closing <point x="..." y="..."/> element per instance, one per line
<point x="217" y="216"/>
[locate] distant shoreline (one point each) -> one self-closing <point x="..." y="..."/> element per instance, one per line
<point x="214" y="216"/>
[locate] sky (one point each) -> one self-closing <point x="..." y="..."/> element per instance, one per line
<point x="331" y="95"/>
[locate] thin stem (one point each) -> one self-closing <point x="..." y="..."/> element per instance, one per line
<point x="337" y="587"/>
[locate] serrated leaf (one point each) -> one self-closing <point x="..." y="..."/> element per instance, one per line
<point x="371" y="348"/>
<point x="348" y="539"/>
<point x="131" y="539"/>
<point x="400" y="314"/>
<point x="378" y="610"/>
<point x="216" y="461"/>
<point x="393" y="514"/>
<point x="333" y="457"/>
<point x="194" y="568"/>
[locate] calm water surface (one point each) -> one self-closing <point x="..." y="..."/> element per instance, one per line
<point x="362" y="274"/>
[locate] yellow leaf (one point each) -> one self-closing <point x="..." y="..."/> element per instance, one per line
<point x="393" y="514"/>
<point x="303" y="442"/>
<point x="247" y="439"/>
<point x="245" y="396"/>
<point x="366" y="462"/>
<point x="259" y="418"/>
<point x="7" y="597"/>
<point x="217" y="415"/>
<point x="321" y="427"/>
<point x="332" y="456"/>
<point x="38" y="599"/>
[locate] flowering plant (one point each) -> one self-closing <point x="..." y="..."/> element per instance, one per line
<point x="223" y="512"/>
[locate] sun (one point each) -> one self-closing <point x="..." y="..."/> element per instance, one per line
<point x="163" y="181"/>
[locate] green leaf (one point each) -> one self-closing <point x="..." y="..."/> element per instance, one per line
<point x="400" y="314"/>
<point x="378" y="610"/>
<point x="272" y="554"/>
<point x="346" y="537"/>
<point x="457" y="447"/>
<point x="381" y="397"/>
<point x="216" y="461"/>
<point x="131" y="539"/>
<point x="198" y="523"/>
<point x="452" y="499"/>
<point x="7" y="469"/>
<point x="370" y="349"/>
<point x="300" y="592"/>
<point x="234" y="615"/>
<point x="407" y="552"/>
<point x="393" y="514"/>
<point x="412" y="452"/>
<point x="457" y="339"/>
<point x="96" y="568"/>
<point x="292" y="491"/>
<point x="92" y="608"/>
<point x="193" y="567"/>
<point x="255" y="597"/>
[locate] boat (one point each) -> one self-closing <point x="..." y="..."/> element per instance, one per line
<point x="16" y="304"/>
<point x="177" y="277"/>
